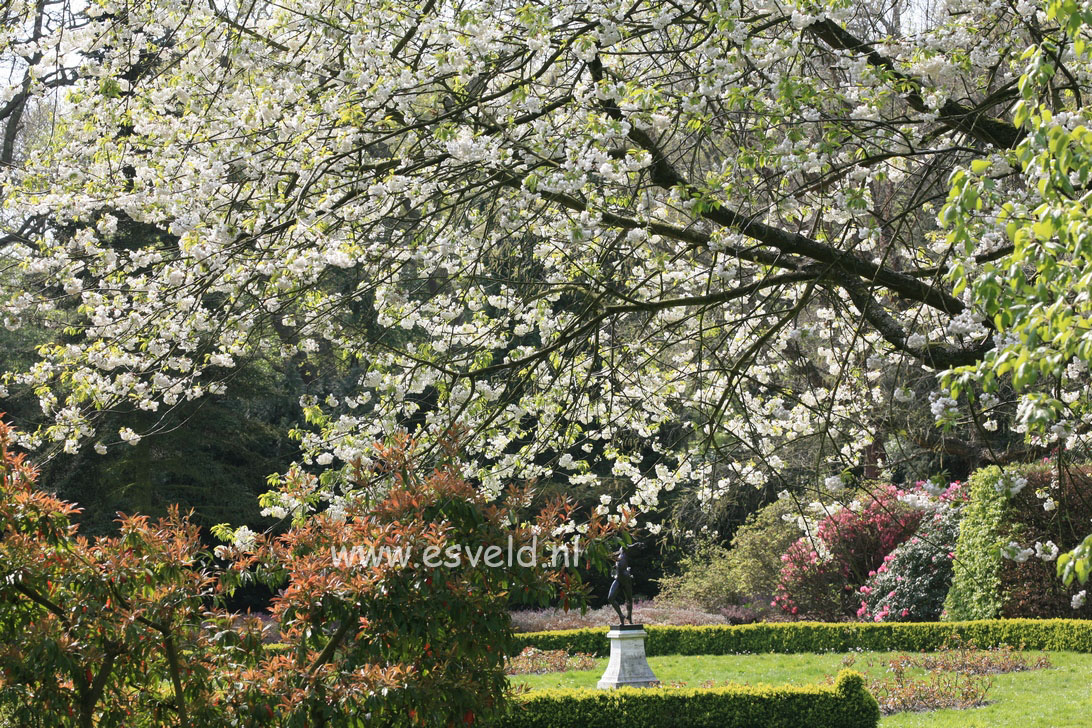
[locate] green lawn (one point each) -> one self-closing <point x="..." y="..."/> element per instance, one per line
<point x="1060" y="697"/>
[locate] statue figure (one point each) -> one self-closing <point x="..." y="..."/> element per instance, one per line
<point x="622" y="587"/>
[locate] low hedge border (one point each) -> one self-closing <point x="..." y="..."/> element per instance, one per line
<point x="846" y="704"/>
<point x="789" y="637"/>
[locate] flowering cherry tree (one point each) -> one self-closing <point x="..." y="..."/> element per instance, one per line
<point x="695" y="240"/>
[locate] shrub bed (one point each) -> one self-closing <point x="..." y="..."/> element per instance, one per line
<point x="715" y="577"/>
<point x="789" y="637"/>
<point x="846" y="704"/>
<point x="644" y="612"/>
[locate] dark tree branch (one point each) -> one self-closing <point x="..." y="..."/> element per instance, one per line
<point x="936" y="356"/>
<point x="664" y="175"/>
<point x="971" y="121"/>
<point x="42" y="601"/>
<point x="90" y="697"/>
<point x="331" y="647"/>
<point x="647" y="307"/>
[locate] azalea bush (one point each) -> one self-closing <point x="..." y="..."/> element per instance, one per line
<point x="821" y="572"/>
<point x="913" y="580"/>
<point x="127" y="629"/>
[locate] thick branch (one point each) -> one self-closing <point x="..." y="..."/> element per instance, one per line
<point x="331" y="647"/>
<point x="647" y="307"/>
<point x="971" y="121"/>
<point x="936" y="356"/>
<point x="90" y="697"/>
<point x="176" y="678"/>
<point x="413" y="30"/>
<point x="41" y="601"/>
<point x="664" y="175"/>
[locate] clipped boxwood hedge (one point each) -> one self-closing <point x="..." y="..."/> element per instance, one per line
<point x="789" y="637"/>
<point x="846" y="704"/>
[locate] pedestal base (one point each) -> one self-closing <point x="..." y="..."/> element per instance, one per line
<point x="628" y="666"/>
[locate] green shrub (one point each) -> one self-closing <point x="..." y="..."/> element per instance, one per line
<point x="715" y="577"/>
<point x="1031" y="588"/>
<point x="976" y="581"/>
<point x="588" y="640"/>
<point x="987" y="585"/>
<point x="126" y="629"/>
<point x="791" y="637"/>
<point x="706" y="580"/>
<point x="846" y="704"/>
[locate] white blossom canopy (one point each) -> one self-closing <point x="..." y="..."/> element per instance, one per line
<point x="704" y="229"/>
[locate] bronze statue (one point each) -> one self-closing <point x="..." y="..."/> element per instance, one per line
<point x="621" y="587"/>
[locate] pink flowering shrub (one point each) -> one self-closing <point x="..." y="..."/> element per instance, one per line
<point x="821" y="575"/>
<point x="912" y="582"/>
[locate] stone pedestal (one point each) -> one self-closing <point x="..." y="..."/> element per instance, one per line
<point x="628" y="666"/>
